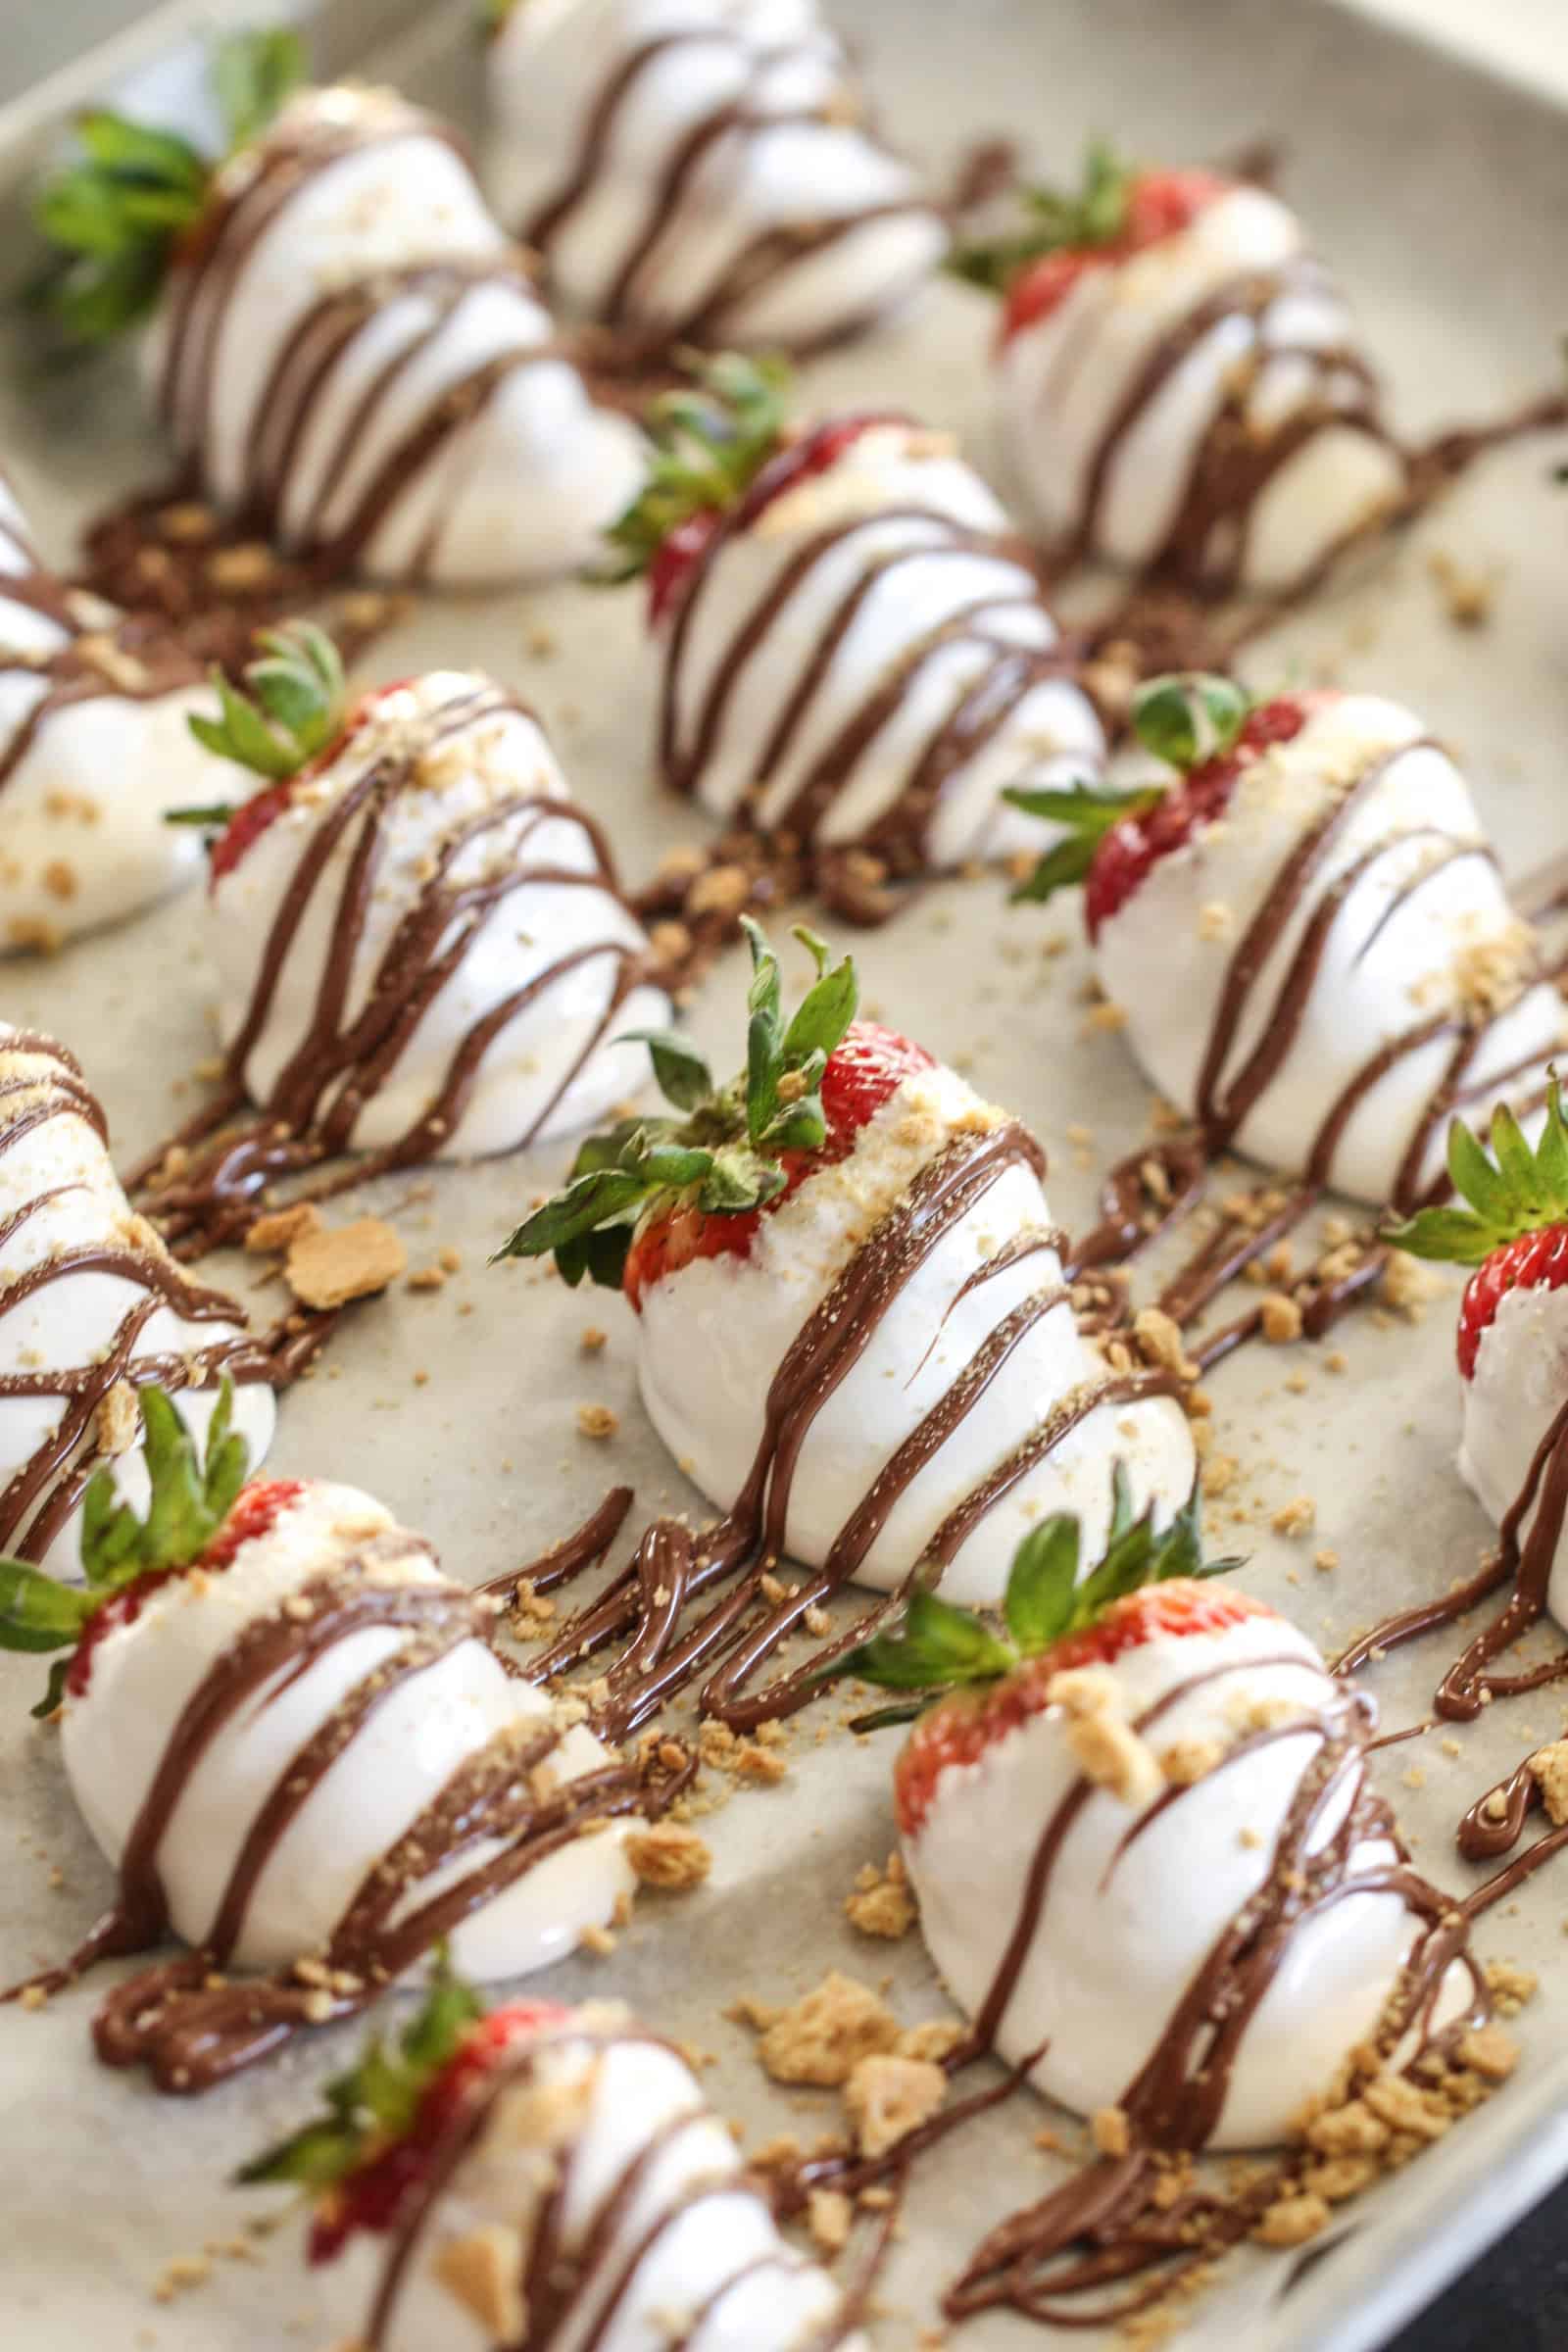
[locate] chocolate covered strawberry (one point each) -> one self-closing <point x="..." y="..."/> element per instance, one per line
<point x="346" y="345"/>
<point x="1181" y="384"/>
<point x="1513" y="1325"/>
<point x="291" y="1737"/>
<point x="1307" y="933"/>
<point x="856" y="655"/>
<point x="91" y="1307"/>
<point x="471" y="1000"/>
<point x="1143" y="1843"/>
<point x="444" y="2167"/>
<point x="93" y="750"/>
<point x="852" y="1328"/>
<point x="708" y="173"/>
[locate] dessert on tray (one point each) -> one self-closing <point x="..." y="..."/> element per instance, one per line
<point x="290" y="1734"/>
<point x="91" y="1305"/>
<point x="1308" y="934"/>
<point x="422" y="952"/>
<point x="852" y="1325"/>
<point x="857" y="653"/>
<point x="346" y="345"/>
<point x="703" y="171"/>
<point x="1145" y="1812"/>
<point x="537" y="2173"/>
<point x="93" y="750"/>
<point x="1181" y="384"/>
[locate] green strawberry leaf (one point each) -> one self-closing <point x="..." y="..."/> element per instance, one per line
<point x="213" y="816"/>
<point x="294" y="709"/>
<point x="1190" y="717"/>
<point x="1517" y="1190"/>
<point x="1041" y="1583"/>
<point x="37" y="1613"/>
<point x="709" y="442"/>
<point x="601" y="1196"/>
<point x="739" y="1181"/>
<point x="684" y="1077"/>
<point x="1089" y="812"/>
<point x="253" y="73"/>
<point x="936" y="1646"/>
<point x="827" y="1011"/>
<point x="1053" y="220"/>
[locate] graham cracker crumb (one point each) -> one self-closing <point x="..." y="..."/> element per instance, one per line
<point x="935" y="2040"/>
<point x="118" y="1419"/>
<point x="1160" y="1341"/>
<point x="1327" y="1558"/>
<point x="829" y="2216"/>
<point x="1188" y="1760"/>
<point x="483" y="2270"/>
<point x="283" y="1228"/>
<point x="826" y="2034"/>
<point x="1489" y="2051"/>
<point x="668" y="1855"/>
<point x="1549" y="1767"/>
<point x="881" y="1903"/>
<point x="888" y="2098"/>
<point x="1295" y="1517"/>
<point x="1110" y="2132"/>
<point x="1292" y="2221"/>
<point x="597" y="1421"/>
<point x="1282" y="1319"/>
<point x="592" y="1340"/>
<point x="342" y="1262"/>
<point x="426" y="1278"/>
<point x="1105" y="1746"/>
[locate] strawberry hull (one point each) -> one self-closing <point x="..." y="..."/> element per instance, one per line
<point x="1143" y="1888"/>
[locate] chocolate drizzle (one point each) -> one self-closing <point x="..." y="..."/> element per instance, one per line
<point x="41" y="1495"/>
<point x="346" y="1057"/>
<point x="976" y="716"/>
<point x="580" y="2277"/>
<point x="181" y="2018"/>
<point x="633" y="296"/>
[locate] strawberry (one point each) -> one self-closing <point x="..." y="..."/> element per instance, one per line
<point x="654" y="1193"/>
<point x="386" y="2117"/>
<point x="864" y="1069"/>
<point x="1116" y="213"/>
<point x="1202" y="725"/>
<point x="196" y="1516"/>
<point x="984" y="1685"/>
<point x="725" y="449"/>
<point x="292" y="723"/>
<point x="1514" y="1233"/>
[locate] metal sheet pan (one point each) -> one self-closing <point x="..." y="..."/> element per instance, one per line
<point x="1443" y="198"/>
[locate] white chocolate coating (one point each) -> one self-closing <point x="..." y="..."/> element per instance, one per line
<point x="116" y="1734"/>
<point x="1066" y="381"/>
<point x="725" y="129"/>
<point x="474" y="802"/>
<point x="1509" y="1403"/>
<point x="1416" y="931"/>
<point x="1122" y="1935"/>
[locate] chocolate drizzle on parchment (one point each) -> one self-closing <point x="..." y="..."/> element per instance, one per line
<point x="585" y="2271"/>
<point x="42" y="1082"/>
<point x="182" y="2018"/>
<point x="206" y="1185"/>
<point x="674" y="193"/>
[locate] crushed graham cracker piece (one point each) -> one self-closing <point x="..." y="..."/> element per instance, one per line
<point x="935" y="2040"/>
<point x="887" y="2097"/>
<point x="1292" y="2221"/>
<point x="1109" y="2130"/>
<point x="1403" y="2107"/>
<point x="1511" y="1986"/>
<point x="1489" y="2051"/>
<point x="824" y="2037"/>
<point x="1549" y="1769"/>
<point x="343" y="1262"/>
<point x="1104" y="1746"/>
<point x="282" y="1228"/>
<point x="881" y="1903"/>
<point x="592" y="1339"/>
<point x="1282" y="1319"/>
<point x="426" y="1278"/>
<point x="1186" y="1762"/>
<point x="829" y="2216"/>
<point x="118" y="1419"/>
<point x="1161" y="1339"/>
<point x="597" y="1421"/>
<point x="666" y="1855"/>
<point x="483" y="2270"/>
<point x="1295" y="1517"/>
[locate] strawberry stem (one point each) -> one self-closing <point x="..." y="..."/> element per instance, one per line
<point x="1518" y="1189"/>
<point x="711" y="441"/>
<point x="294" y="709"/>
<point x="1055" y="220"/>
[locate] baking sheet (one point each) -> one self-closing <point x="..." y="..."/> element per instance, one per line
<point x="1443" y="199"/>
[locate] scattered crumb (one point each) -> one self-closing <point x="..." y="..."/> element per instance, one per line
<point x="283" y="1228"/>
<point x="666" y="1855"/>
<point x="1549" y="1767"/>
<point x="1295" y="1517"/>
<point x="342" y="1262"/>
<point x="597" y="1421"/>
<point x="1282" y="1319"/>
<point x="824" y="2037"/>
<point x="117" y="1419"/>
<point x="881" y="1903"/>
<point x="829" y="2216"/>
<point x="1292" y="2221"/>
<point x="484" y="2270"/>
<point x="888" y="2098"/>
<point x="1109" y="2130"/>
<point x="592" y="1340"/>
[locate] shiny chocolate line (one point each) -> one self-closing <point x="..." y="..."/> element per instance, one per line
<point x="343" y="1060"/>
<point x="978" y="717"/>
<point x="768" y="257"/>
<point x="43" y="1492"/>
<point x="187" y="2021"/>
